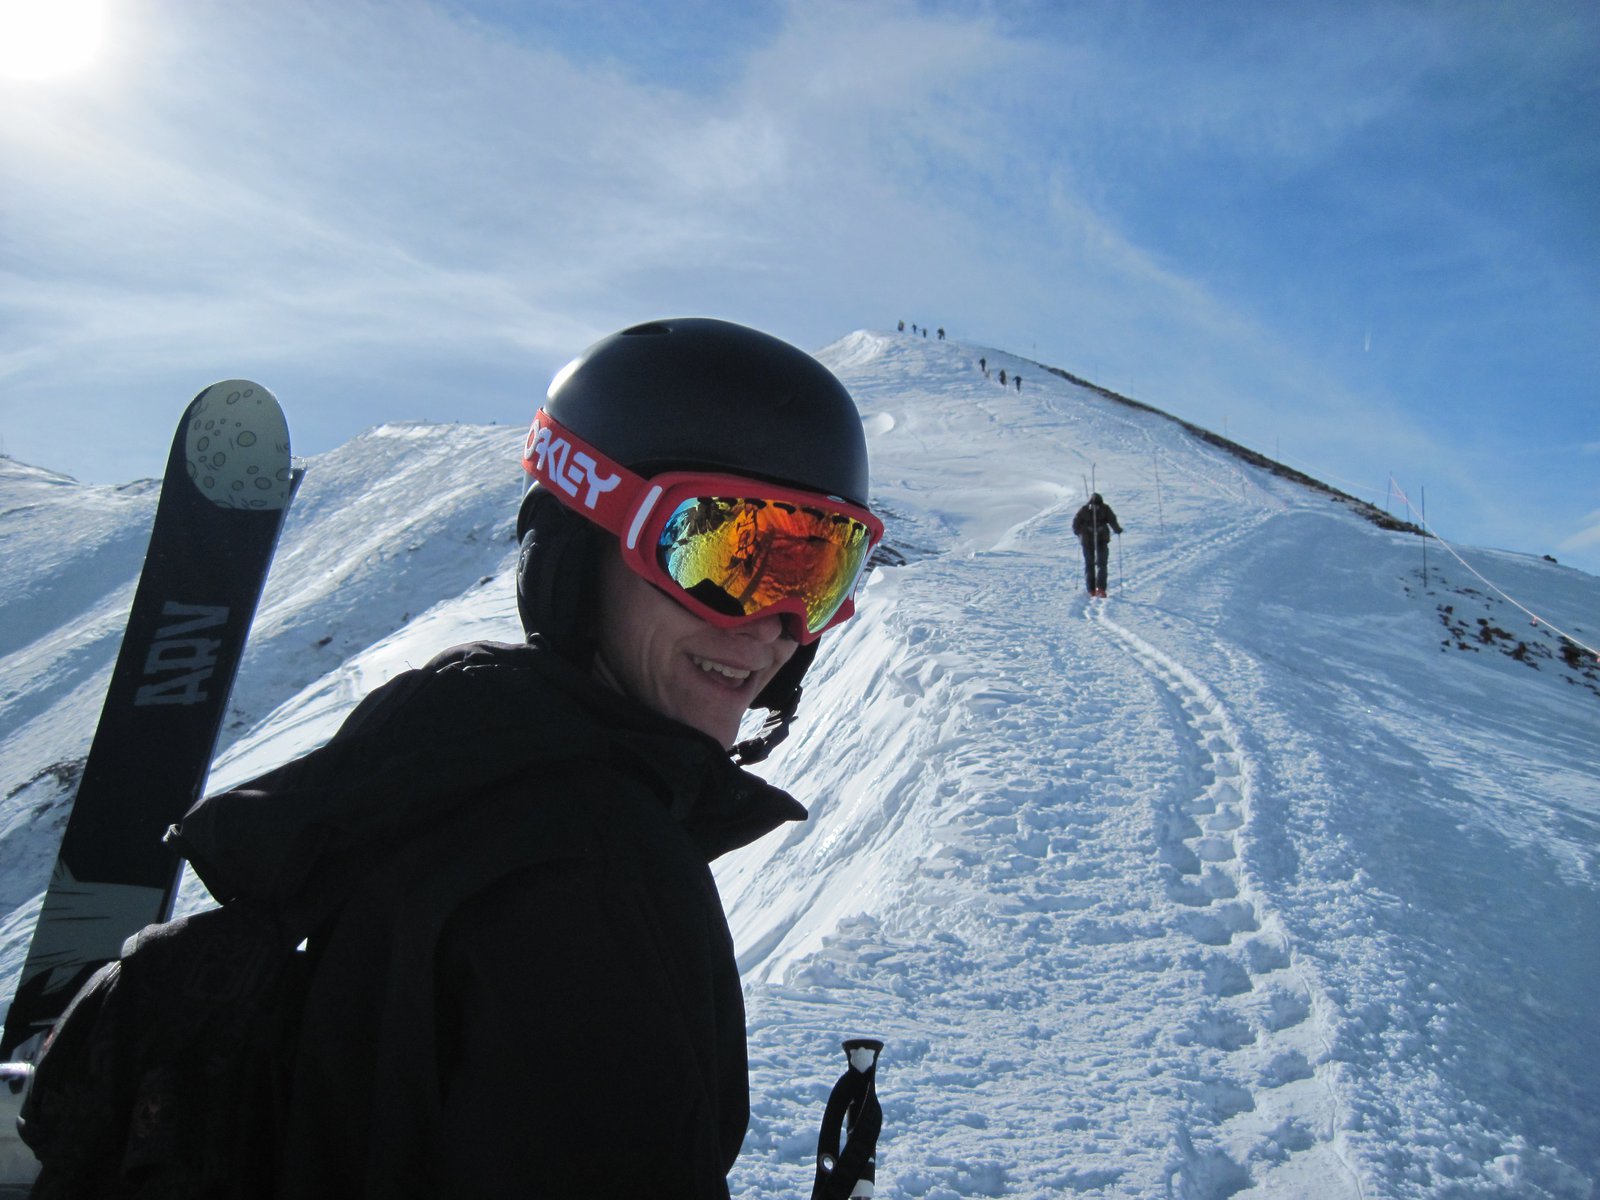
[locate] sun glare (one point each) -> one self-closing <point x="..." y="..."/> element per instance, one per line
<point x="50" y="39"/>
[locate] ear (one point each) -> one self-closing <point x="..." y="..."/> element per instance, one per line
<point x="555" y="574"/>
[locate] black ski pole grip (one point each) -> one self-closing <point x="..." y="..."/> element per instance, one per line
<point x="847" y="1147"/>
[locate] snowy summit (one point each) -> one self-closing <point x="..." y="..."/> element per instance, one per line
<point x="1274" y="873"/>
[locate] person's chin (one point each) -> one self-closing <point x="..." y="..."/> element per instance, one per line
<point x="714" y="711"/>
<point x="723" y="732"/>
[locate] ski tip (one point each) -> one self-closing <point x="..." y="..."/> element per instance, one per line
<point x="237" y="446"/>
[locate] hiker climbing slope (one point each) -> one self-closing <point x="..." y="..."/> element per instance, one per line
<point x="1094" y="525"/>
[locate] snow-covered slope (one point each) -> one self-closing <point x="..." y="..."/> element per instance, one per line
<point x="1274" y="874"/>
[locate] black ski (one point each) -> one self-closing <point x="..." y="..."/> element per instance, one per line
<point x="228" y="484"/>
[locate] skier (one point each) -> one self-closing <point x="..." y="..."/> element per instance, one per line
<point x="1094" y="525"/>
<point x="525" y="983"/>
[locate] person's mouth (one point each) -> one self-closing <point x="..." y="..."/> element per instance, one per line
<point x="724" y="673"/>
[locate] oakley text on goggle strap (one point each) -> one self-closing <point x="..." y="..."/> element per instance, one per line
<point x="726" y="547"/>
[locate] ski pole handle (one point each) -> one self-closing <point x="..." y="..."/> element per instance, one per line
<point x="847" y="1147"/>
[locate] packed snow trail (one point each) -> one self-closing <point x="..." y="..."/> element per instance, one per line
<point x="1027" y="821"/>
<point x="1266" y="1013"/>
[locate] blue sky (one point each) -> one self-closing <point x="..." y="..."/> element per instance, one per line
<point x="1364" y="236"/>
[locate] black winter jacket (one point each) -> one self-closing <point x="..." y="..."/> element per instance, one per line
<point x="525" y="985"/>
<point x="1095" y="521"/>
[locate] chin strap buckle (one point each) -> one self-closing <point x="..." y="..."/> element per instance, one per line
<point x="773" y="731"/>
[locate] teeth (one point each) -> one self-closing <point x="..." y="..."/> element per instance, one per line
<point x="730" y="672"/>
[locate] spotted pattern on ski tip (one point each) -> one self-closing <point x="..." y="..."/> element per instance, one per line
<point x="237" y="445"/>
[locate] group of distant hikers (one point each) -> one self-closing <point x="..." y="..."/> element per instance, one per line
<point x="923" y="331"/>
<point x="1016" y="376"/>
<point x="1094" y="523"/>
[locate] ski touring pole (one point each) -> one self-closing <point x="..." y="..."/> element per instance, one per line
<point x="847" y="1147"/>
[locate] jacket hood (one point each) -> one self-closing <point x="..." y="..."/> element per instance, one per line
<point x="421" y="747"/>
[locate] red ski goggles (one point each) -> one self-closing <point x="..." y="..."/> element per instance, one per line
<point x="726" y="547"/>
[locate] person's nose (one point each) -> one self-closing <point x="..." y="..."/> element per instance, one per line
<point x="763" y="629"/>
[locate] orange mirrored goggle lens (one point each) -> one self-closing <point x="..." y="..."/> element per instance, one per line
<point x="741" y="556"/>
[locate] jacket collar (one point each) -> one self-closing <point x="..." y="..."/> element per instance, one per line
<point x="477" y="716"/>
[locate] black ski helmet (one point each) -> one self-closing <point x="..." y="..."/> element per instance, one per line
<point x="686" y="394"/>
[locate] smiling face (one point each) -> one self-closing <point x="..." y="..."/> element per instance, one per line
<point x="651" y="648"/>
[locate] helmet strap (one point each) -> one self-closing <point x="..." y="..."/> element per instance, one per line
<point x="781" y="699"/>
<point x="773" y="731"/>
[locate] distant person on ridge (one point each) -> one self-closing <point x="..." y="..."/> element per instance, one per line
<point x="1017" y="379"/>
<point x="1094" y="525"/>
<point x="523" y="981"/>
<point x="1002" y="377"/>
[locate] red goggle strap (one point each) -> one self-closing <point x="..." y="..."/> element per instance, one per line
<point x="609" y="494"/>
<point x="612" y="496"/>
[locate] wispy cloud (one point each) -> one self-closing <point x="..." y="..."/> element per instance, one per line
<point x="407" y="209"/>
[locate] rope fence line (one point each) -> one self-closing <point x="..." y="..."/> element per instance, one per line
<point x="1487" y="582"/>
<point x="1322" y="480"/>
<point x="1415" y="514"/>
